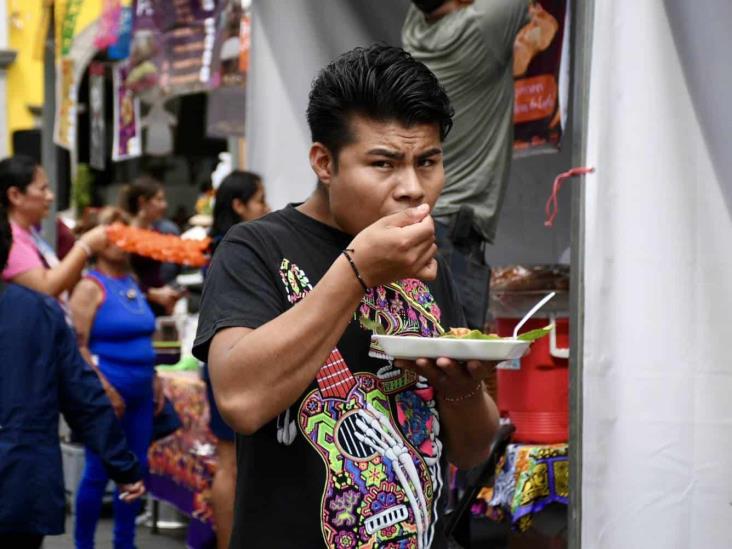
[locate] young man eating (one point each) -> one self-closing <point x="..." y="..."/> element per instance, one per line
<point x="339" y="446"/>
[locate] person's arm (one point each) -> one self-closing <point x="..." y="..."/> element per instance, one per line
<point x="502" y="20"/>
<point x="256" y="374"/>
<point x="165" y="296"/>
<point x="468" y="415"/>
<point x="63" y="276"/>
<point x="86" y="409"/>
<point x="84" y="302"/>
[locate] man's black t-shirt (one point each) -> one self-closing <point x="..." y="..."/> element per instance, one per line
<point x="357" y="460"/>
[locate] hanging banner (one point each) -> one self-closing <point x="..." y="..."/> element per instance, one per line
<point x="188" y="56"/>
<point x="127" y="142"/>
<point x="68" y="25"/>
<point x="172" y="46"/>
<point x="109" y="24"/>
<point x="120" y="49"/>
<point x="231" y="47"/>
<point x="227" y="98"/>
<point x="66" y="100"/>
<point x="539" y="52"/>
<point x="97" y="125"/>
<point x="225" y="107"/>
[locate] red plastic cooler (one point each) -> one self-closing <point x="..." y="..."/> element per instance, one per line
<point x="535" y="395"/>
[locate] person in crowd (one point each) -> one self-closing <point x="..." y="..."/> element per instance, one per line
<point x="144" y="199"/>
<point x="468" y="45"/>
<point x="114" y="327"/>
<point x="42" y="374"/>
<point x="26" y="195"/>
<point x="240" y="197"/>
<point x="337" y="445"/>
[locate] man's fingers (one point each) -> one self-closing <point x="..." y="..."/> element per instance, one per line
<point x="480" y="369"/>
<point x="429" y="271"/>
<point x="407" y="217"/>
<point x="422" y="366"/>
<point x="421" y="231"/>
<point x="476" y="369"/>
<point x="422" y="254"/>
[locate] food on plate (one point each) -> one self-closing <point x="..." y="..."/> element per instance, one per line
<point x="467" y="333"/>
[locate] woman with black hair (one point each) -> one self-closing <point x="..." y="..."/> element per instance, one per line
<point x="239" y="198"/>
<point x="26" y="195"/>
<point x="144" y="199"/>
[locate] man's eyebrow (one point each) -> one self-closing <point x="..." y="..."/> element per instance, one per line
<point x="394" y="155"/>
<point x="431" y="152"/>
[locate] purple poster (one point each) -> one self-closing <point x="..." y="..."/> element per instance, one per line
<point x="97" y="126"/>
<point x="127" y="143"/>
<point x="172" y="46"/>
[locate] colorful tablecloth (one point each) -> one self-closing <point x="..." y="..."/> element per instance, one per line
<point x="528" y="478"/>
<point x="182" y="465"/>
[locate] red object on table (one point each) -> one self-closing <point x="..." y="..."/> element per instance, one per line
<point x="536" y="397"/>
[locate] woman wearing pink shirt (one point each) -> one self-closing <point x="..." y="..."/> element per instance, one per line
<point x="26" y="195"/>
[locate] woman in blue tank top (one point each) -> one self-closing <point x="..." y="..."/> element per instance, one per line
<point x="115" y="325"/>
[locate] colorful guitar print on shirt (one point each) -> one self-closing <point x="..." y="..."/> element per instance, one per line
<point x="380" y="490"/>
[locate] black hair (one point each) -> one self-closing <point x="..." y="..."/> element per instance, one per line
<point x="428" y="6"/>
<point x="143" y="187"/>
<point x="6" y="238"/>
<point x="380" y="82"/>
<point x="16" y="171"/>
<point x="238" y="184"/>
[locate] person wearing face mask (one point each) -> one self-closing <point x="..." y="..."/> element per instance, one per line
<point x="239" y="198"/>
<point x="144" y="199"/>
<point x="26" y="195"/>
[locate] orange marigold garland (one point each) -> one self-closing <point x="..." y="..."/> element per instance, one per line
<point x="162" y="247"/>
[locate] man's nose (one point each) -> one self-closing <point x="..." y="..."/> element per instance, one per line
<point x="409" y="187"/>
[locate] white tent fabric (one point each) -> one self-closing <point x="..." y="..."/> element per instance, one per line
<point x="291" y="41"/>
<point x="657" y="424"/>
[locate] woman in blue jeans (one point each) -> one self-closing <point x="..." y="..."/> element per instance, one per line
<point x="115" y="324"/>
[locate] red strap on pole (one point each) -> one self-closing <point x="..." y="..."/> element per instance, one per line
<point x="552" y="205"/>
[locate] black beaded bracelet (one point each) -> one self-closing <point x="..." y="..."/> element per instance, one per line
<point x="355" y="269"/>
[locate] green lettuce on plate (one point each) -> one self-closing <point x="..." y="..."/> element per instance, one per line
<point x="464" y="333"/>
<point x="533" y="335"/>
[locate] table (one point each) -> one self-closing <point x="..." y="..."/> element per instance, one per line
<point x="183" y="464"/>
<point x="528" y="479"/>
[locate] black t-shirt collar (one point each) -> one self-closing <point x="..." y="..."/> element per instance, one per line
<point x="318" y="228"/>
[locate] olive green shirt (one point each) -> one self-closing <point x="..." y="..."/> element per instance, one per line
<point x="471" y="52"/>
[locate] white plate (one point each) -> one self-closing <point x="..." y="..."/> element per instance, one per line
<point x="410" y="347"/>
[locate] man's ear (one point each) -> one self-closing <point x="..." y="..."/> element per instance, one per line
<point x="321" y="161"/>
